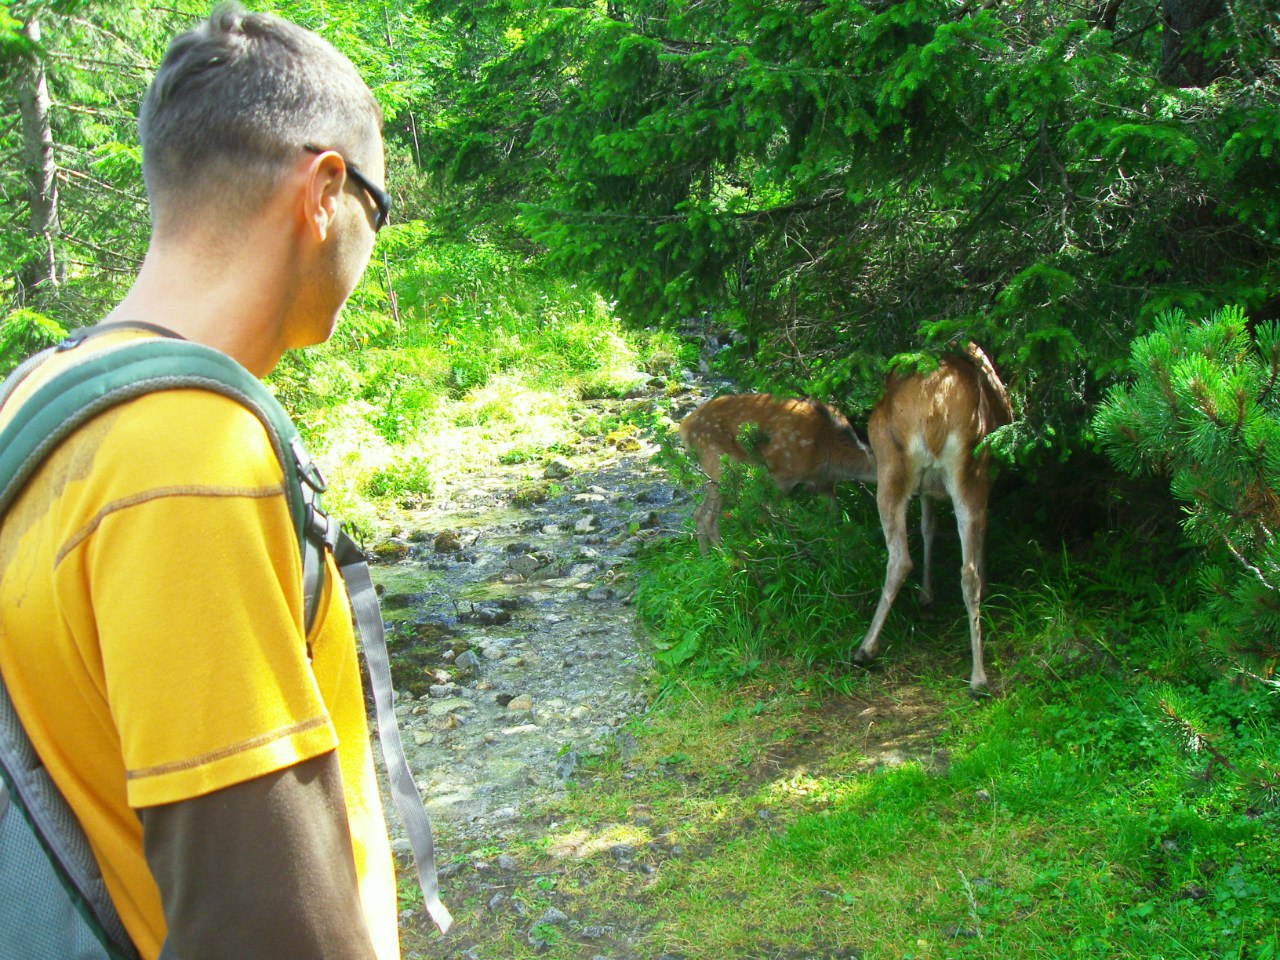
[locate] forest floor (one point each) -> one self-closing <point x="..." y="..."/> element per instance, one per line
<point x="567" y="806"/>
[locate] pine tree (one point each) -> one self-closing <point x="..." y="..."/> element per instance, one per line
<point x="1204" y="409"/>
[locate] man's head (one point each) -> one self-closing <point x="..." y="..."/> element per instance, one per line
<point x="234" y="104"/>
<point x="260" y="141"/>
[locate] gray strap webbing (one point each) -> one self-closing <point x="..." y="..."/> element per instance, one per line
<point x="404" y="792"/>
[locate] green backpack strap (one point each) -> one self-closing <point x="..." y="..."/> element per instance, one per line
<point x="61" y="405"/>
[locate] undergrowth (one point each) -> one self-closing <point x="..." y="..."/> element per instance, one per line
<point x="1069" y="816"/>
<point x="482" y="367"/>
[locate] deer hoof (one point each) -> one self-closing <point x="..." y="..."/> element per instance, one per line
<point x="980" y="691"/>
<point x="861" y="658"/>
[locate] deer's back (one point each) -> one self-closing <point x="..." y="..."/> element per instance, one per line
<point x="791" y="435"/>
<point x="952" y="407"/>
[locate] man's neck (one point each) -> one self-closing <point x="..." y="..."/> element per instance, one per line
<point x="229" y="303"/>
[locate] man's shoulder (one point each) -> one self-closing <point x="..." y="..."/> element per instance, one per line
<point x="189" y="434"/>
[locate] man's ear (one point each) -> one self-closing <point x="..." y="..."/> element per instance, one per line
<point x="325" y="177"/>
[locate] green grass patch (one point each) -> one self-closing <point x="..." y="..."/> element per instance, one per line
<point x="780" y="804"/>
<point x="486" y="365"/>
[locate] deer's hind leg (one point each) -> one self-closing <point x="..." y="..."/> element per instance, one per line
<point x="893" y="493"/>
<point x="970" y="499"/>
<point x="928" y="527"/>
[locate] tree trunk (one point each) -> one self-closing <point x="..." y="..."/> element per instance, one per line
<point x="39" y="166"/>
<point x="1182" y="62"/>
<point x="1104" y="13"/>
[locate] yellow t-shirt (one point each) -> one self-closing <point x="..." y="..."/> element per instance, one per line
<point x="151" y="633"/>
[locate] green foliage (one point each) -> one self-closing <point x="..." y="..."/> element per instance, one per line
<point x="851" y="181"/>
<point x="1116" y="798"/>
<point x="1204" y="410"/>
<point x="780" y="589"/>
<point x="24" y="332"/>
<point x="405" y="480"/>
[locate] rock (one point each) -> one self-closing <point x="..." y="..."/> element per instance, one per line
<point x="580" y="712"/>
<point x="496" y="902"/>
<point x="466" y="660"/>
<point x="553" y="916"/>
<point x="421" y="738"/>
<point x="520" y="548"/>
<point x="506" y="863"/>
<point x="487" y="616"/>
<point x="446" y="541"/>
<point x="526" y="565"/>
<point x="600" y="594"/>
<point x="646" y="520"/>
<point x="585" y="525"/>
<point x="503" y="699"/>
<point x="442" y="707"/>
<point x="567" y="765"/>
<point x="622" y="852"/>
<point x="522" y="702"/>
<point x="390" y="551"/>
<point x="523" y="728"/>
<point x="626" y="746"/>
<point x="627" y="444"/>
<point x="557" y="469"/>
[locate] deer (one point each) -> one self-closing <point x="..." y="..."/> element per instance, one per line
<point x="924" y="436"/>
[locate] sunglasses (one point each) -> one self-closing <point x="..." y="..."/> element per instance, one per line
<point x="381" y="199"/>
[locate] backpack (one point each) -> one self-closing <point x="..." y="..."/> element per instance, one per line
<point x="53" y="901"/>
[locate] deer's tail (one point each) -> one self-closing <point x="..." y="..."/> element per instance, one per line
<point x="995" y="396"/>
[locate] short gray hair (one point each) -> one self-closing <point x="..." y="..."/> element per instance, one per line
<point x="235" y="100"/>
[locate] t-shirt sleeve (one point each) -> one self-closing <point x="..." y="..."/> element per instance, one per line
<point x="193" y="568"/>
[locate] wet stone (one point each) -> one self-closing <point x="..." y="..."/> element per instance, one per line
<point x="557" y="469"/>
<point x="446" y="542"/>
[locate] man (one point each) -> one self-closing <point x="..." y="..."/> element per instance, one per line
<point x="217" y="758"/>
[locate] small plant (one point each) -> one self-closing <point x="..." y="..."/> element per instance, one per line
<point x="412" y="478"/>
<point x="408" y="894"/>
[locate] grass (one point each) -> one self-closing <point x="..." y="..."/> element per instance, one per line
<point x="484" y="367"/>
<point x="779" y="805"/>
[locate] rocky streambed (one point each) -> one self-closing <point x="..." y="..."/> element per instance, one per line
<point x="514" y="646"/>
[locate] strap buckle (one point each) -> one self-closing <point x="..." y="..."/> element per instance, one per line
<point x="71" y="341"/>
<point x="322" y="528"/>
<point x="307" y="468"/>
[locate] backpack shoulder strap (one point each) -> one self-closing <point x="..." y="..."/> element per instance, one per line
<point x="60" y="406"/>
<point x="404" y="792"/>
